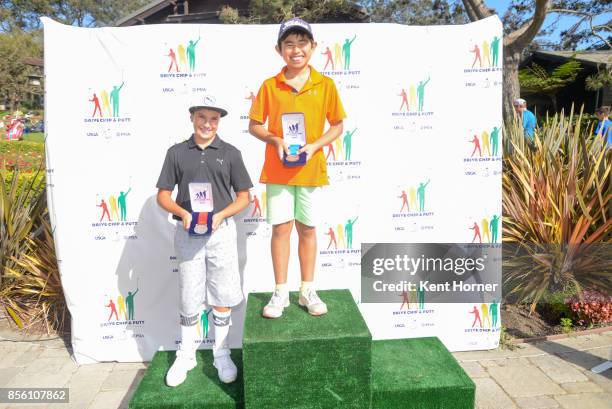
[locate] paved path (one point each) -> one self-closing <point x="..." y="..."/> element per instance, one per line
<point x="551" y="374"/>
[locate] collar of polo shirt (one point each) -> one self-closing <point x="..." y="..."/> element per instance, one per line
<point x="216" y="143"/>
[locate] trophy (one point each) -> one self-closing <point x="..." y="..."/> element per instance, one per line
<point x="294" y="134"/>
<point x="202" y="208"/>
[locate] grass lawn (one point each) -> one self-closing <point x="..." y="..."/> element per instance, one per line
<point x="34" y="137"/>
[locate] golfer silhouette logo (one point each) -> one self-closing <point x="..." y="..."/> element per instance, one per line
<point x="118" y="206"/>
<point x="487" y="231"/>
<point x="125" y="305"/>
<point x="109" y="100"/>
<point x="486" y="54"/>
<point x="186" y="54"/>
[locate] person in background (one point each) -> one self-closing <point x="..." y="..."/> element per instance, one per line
<point x="604" y="126"/>
<point x="528" y="119"/>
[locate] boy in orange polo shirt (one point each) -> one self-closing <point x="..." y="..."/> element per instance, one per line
<point x="293" y="192"/>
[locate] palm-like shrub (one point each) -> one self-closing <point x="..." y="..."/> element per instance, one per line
<point x="30" y="287"/>
<point x="556" y="203"/>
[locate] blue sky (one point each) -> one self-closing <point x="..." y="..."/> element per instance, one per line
<point x="566" y="21"/>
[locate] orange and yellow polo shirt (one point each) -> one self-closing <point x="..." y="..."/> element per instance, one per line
<point x="319" y="101"/>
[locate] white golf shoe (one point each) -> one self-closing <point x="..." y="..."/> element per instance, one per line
<point x="312" y="302"/>
<point x="226" y="369"/>
<point x="183" y="363"/>
<point x="278" y="302"/>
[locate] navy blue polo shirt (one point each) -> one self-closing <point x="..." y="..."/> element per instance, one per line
<point x="220" y="164"/>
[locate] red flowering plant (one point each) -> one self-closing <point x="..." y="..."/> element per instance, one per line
<point x="592" y="308"/>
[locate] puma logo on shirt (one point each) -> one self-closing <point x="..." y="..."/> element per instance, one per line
<point x="220" y="161"/>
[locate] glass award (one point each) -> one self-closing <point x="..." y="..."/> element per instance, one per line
<point x="294" y="134"/>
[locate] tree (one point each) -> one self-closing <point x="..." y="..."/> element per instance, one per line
<point x="583" y="33"/>
<point x="25" y="14"/>
<point x="537" y="79"/>
<point x="14" y="74"/>
<point x="521" y="26"/>
<point x="603" y="78"/>
<point x="275" y="11"/>
<point x="21" y="34"/>
<point x="415" y="12"/>
<point x="514" y="44"/>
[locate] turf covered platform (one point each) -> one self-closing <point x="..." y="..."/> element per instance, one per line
<point x="301" y="361"/>
<point x="304" y="362"/>
<point x="201" y="389"/>
<point x="418" y="373"/>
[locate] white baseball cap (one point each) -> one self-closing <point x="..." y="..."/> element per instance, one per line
<point x="208" y="102"/>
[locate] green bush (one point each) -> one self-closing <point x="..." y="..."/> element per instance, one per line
<point x="566" y="325"/>
<point x="553" y="305"/>
<point x="21" y="147"/>
<point x="36" y="137"/>
<point x="24" y="180"/>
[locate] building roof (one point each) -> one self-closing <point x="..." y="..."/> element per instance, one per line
<point x="144" y="12"/>
<point x="590" y="57"/>
<point x="356" y="13"/>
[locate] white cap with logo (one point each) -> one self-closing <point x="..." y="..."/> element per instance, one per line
<point x="208" y="102"/>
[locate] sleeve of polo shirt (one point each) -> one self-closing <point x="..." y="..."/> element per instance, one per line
<point x="239" y="177"/>
<point x="334" y="111"/>
<point x="168" y="177"/>
<point x="259" y="109"/>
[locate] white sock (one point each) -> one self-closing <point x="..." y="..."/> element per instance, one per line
<point x="282" y="288"/>
<point x="221" y="321"/>
<point x="306" y="285"/>
<point x="189" y="335"/>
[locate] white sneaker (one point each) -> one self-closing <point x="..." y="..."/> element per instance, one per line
<point x="226" y="369"/>
<point x="311" y="300"/>
<point x="183" y="363"/>
<point x="278" y="302"/>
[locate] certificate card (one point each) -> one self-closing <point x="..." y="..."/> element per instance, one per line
<point x="201" y="197"/>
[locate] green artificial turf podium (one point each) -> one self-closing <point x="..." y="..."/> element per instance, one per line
<point x="301" y="361"/>
<point x="304" y="362"/>
<point x="201" y="389"/>
<point x="418" y="373"/>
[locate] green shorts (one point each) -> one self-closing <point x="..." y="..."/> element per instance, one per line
<point x="286" y="203"/>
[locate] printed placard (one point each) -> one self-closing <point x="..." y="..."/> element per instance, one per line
<point x="201" y="197"/>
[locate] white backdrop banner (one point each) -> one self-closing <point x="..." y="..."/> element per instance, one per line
<point x="419" y="162"/>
